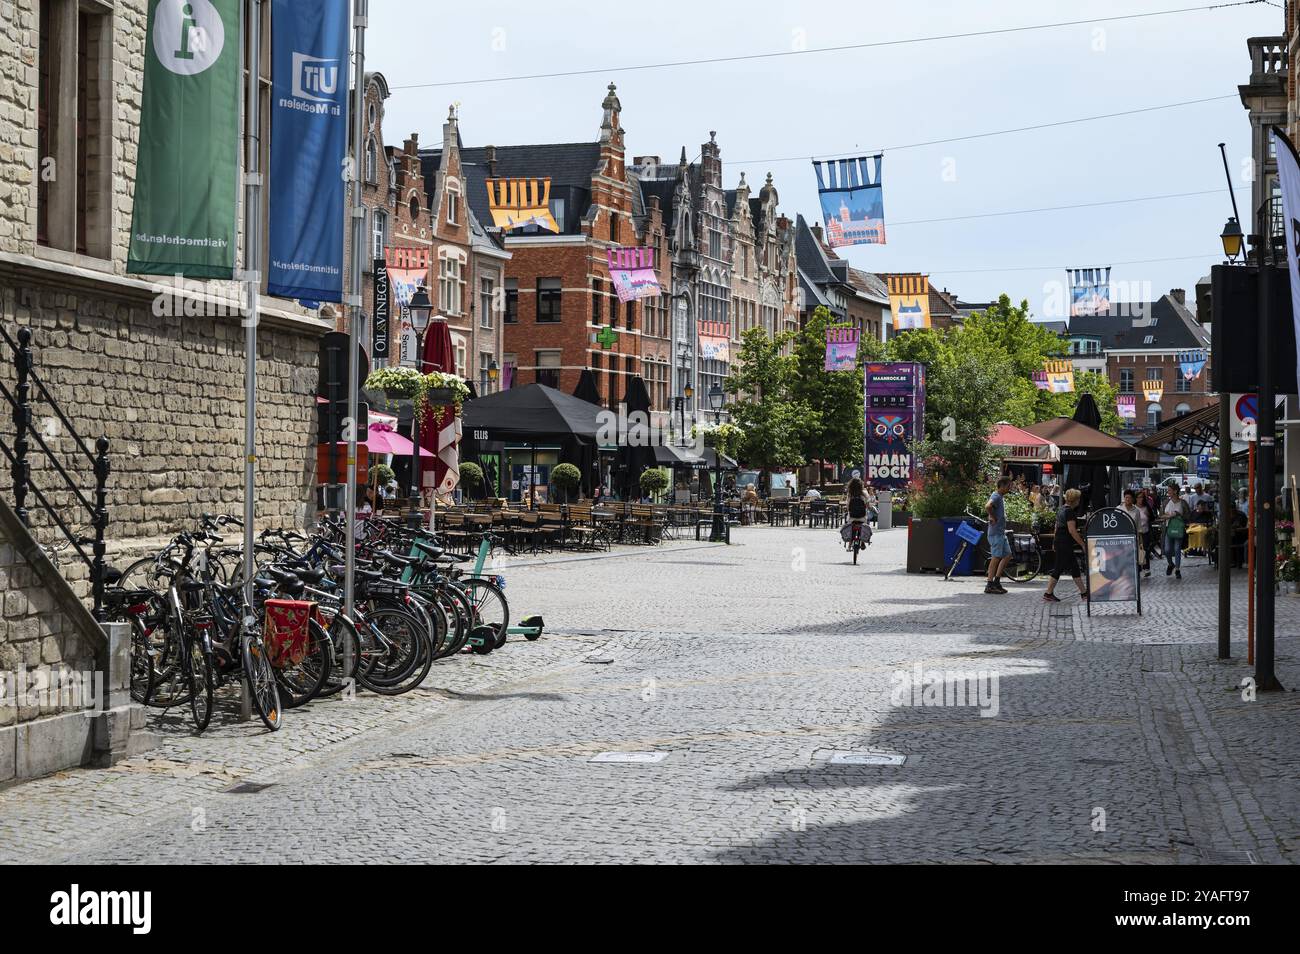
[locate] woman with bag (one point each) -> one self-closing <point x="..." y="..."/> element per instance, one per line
<point x="1177" y="513"/>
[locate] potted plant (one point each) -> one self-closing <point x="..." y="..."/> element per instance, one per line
<point x="1180" y="463"/>
<point x="566" y="477"/>
<point x="471" y="479"/>
<point x="654" y="482"/>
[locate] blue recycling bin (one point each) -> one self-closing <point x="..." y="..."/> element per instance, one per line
<point x="951" y="541"/>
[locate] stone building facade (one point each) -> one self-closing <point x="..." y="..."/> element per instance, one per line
<point x="157" y="367"/>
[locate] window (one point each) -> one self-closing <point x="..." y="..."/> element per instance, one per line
<point x="453" y="202"/>
<point x="487" y="288"/>
<point x="378" y="233"/>
<point x="613" y="228"/>
<point x="461" y="357"/>
<point x="415" y="209"/>
<point x="597" y="293"/>
<point x="450" y="283"/>
<point x="74" y="141"/>
<point x="1126" y="381"/>
<point x="512" y="301"/>
<point x="484" y="382"/>
<point x="1182" y="409"/>
<point x="548" y="368"/>
<point x="549" y="295"/>
<point x="1153" y="415"/>
<point x="1181" y="384"/>
<point x="1155" y="374"/>
<point x="631" y="315"/>
<point x="715" y="243"/>
<point x="557" y="212"/>
<point x="372" y="162"/>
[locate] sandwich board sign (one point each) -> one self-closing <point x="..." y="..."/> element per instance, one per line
<point x="1112" y="548"/>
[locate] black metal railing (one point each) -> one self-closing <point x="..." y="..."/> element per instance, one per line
<point x="19" y="455"/>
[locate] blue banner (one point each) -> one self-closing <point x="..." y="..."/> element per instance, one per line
<point x="1191" y="363"/>
<point x="852" y="199"/>
<point x="309" y="137"/>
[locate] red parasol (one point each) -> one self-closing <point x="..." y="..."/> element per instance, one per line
<point x="438" y="430"/>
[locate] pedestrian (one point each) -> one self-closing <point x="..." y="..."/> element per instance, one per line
<point x="1177" y="515"/>
<point x="995" y="509"/>
<point x="1063" y="542"/>
<point x="1141" y="524"/>
<point x="1147" y="517"/>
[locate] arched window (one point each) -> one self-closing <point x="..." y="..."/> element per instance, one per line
<point x="1182" y="409"/>
<point x="1153" y="415"/>
<point x="453" y="202"/>
<point x="415" y="208"/>
<point x="372" y="162"/>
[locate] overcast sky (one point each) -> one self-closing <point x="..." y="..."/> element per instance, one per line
<point x="838" y="102"/>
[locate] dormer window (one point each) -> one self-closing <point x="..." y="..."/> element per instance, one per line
<point x="1149" y="339"/>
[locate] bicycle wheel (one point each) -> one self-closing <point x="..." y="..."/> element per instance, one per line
<point x="201" y="683"/>
<point x="488" y="606"/>
<point x="148" y="574"/>
<point x="301" y="682"/>
<point x="261" y="679"/>
<point x="1024" y="566"/>
<point x="345" y="654"/>
<point x="392" y="643"/>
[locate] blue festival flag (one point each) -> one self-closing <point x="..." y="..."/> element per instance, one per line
<point x="309" y="140"/>
<point x="852" y="198"/>
<point x="1191" y="363"/>
<point x="1089" y="292"/>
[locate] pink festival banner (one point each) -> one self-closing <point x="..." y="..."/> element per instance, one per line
<point x="1126" y="406"/>
<point x="632" y="270"/>
<point x="841" y="349"/>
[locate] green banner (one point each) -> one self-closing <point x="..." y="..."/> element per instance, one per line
<point x="183" y="222"/>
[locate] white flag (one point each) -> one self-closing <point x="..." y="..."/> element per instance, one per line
<point x="1288" y="173"/>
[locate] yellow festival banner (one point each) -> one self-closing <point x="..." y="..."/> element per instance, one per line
<point x="1060" y="376"/>
<point x="516" y="203"/>
<point x="909" y="300"/>
<point x="1153" y="391"/>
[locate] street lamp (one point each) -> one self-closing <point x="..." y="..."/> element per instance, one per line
<point x="420" y="309"/>
<point x="1231" y="238"/>
<point x="716" y="397"/>
<point x="494" y="372"/>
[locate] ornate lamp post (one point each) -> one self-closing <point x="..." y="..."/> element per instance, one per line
<point x="716" y="398"/>
<point x="420" y="309"/>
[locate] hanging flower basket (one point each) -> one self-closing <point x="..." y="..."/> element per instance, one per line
<point x="398" y="384"/>
<point x="440" y="397"/>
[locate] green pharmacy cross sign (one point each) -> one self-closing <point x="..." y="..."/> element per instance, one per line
<point x="607" y="337"/>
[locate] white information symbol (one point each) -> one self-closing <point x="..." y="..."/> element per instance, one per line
<point x="188" y="35"/>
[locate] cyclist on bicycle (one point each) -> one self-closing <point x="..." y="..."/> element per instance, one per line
<point x="999" y="549"/>
<point x="858" y="510"/>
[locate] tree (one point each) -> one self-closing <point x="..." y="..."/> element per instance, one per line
<point x="835" y="433"/>
<point x="763" y="407"/>
<point x="566" y="477"/>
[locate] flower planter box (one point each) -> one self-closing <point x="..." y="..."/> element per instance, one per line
<point x="440" y="397"/>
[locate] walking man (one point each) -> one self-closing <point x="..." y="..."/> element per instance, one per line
<point x="999" y="550"/>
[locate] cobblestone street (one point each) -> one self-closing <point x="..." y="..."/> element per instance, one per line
<point x="752" y="671"/>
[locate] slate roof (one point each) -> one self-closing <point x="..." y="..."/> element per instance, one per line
<point x="1171" y="327"/>
<point x="569" y="164"/>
